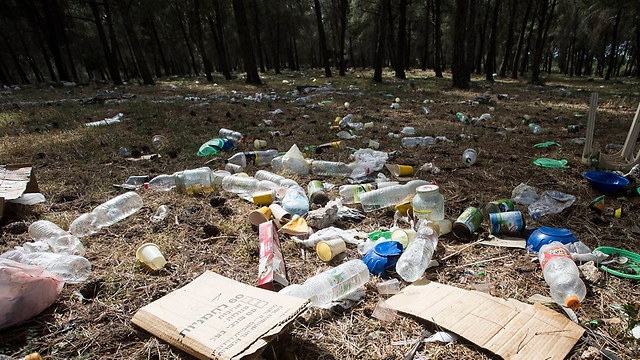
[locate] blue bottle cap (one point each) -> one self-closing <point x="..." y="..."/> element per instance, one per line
<point x="382" y="257"/>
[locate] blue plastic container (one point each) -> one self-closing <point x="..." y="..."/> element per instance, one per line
<point x="382" y="257"/>
<point x="545" y="235"/>
<point x="605" y="181"/>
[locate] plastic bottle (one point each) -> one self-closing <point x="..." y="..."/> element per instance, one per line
<point x="330" y="168"/>
<point x="333" y="284"/>
<point x="350" y="194"/>
<point x="161" y="213"/>
<point x="415" y="259"/>
<point x="462" y="117"/>
<point x="255" y="157"/>
<point x="388" y="196"/>
<point x="295" y="201"/>
<point x="195" y="180"/>
<point x="240" y="184"/>
<point x="72" y="269"/>
<point x="42" y="230"/>
<point x="275" y="178"/>
<point x="231" y="135"/>
<point x="411" y="142"/>
<point x="536" y="129"/>
<point x="469" y="157"/>
<point x="428" y="203"/>
<point x="59" y="241"/>
<point x="162" y="182"/>
<point x="106" y="214"/>
<point x="562" y="275"/>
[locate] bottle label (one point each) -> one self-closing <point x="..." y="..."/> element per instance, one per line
<point x="361" y="189"/>
<point x="506" y="222"/>
<point x="553" y="252"/>
<point x="504" y="205"/>
<point x="471" y="218"/>
<point x="314" y="186"/>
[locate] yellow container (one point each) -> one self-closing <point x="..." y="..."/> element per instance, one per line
<point x="328" y="249"/>
<point x="264" y="198"/>
<point x="401" y="170"/>
<point x="257" y="217"/>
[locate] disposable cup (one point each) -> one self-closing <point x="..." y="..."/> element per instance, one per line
<point x="259" y="144"/>
<point x="218" y="175"/>
<point x="257" y="217"/>
<point x="280" y="214"/>
<point x="264" y="197"/>
<point x="403" y="236"/>
<point x="368" y="125"/>
<point x="401" y="170"/>
<point x="328" y="249"/>
<point x="150" y="255"/>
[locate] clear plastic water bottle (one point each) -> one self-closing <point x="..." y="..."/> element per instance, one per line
<point x="231" y="135"/>
<point x="411" y="142"/>
<point x="330" y="168"/>
<point x="240" y="184"/>
<point x="427" y="140"/>
<point x="331" y="285"/>
<point x="462" y="117"/>
<point x="350" y="194"/>
<point x="59" y="241"/>
<point x="295" y="201"/>
<point x="416" y="257"/>
<point x="562" y="275"/>
<point x="275" y="178"/>
<point x="256" y="157"/>
<point x="388" y="196"/>
<point x="72" y="269"/>
<point x="106" y="214"/>
<point x="42" y="230"/>
<point x="536" y="129"/>
<point x="195" y="180"/>
<point x="162" y="182"/>
<point x="469" y="157"/>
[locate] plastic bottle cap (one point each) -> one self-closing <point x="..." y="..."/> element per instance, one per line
<point x="426" y="189"/>
<point x="146" y="186"/>
<point x="572" y="302"/>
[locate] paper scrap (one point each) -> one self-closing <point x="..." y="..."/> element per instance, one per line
<point x="509" y="242"/>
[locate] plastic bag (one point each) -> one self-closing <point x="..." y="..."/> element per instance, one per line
<point x="25" y="291"/>
<point x="295" y="201"/>
<point x="524" y="194"/>
<point x="367" y="161"/>
<point x="293" y="161"/>
<point x="551" y="202"/>
<point x="349" y="236"/>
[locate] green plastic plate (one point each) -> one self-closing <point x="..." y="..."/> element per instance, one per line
<point x="633" y="263"/>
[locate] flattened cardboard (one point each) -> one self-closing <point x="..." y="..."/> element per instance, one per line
<point x="508" y="328"/>
<point x="505" y="241"/>
<point x="15" y="180"/>
<point x="216" y="317"/>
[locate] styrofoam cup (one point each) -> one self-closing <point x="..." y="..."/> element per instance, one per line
<point x="150" y="255"/>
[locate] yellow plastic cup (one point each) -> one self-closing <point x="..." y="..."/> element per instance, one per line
<point x="264" y="198"/>
<point x="257" y="217"/>
<point x="150" y="255"/>
<point x="401" y="170"/>
<point x="259" y="144"/>
<point x="328" y="249"/>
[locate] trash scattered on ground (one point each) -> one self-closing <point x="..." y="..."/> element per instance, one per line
<point x="546" y="144"/>
<point x="550" y="202"/>
<point x="215" y="146"/>
<point x="383" y="312"/>
<point x="107" y="121"/>
<point x="551" y="163"/>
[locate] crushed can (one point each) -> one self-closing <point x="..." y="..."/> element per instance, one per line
<point x="510" y="222"/>
<point x="468" y="222"/>
<point x="272" y="273"/>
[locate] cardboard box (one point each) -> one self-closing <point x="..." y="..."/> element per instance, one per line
<point x="272" y="274"/>
<point x="216" y="317"/>
<point x="15" y="180"/>
<point x="508" y="328"/>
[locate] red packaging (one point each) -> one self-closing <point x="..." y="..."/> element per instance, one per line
<point x="271" y="271"/>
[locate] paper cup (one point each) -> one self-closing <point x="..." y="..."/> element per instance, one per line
<point x="403" y="236"/>
<point x="401" y="170"/>
<point x="368" y="125"/>
<point x="233" y="168"/>
<point x="218" y="175"/>
<point x="264" y="197"/>
<point x="150" y="255"/>
<point x="328" y="249"/>
<point x="280" y="214"/>
<point x="257" y="217"/>
<point x="374" y="144"/>
<point x="259" y="144"/>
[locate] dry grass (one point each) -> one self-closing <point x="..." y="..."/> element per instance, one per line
<point x="76" y="167"/>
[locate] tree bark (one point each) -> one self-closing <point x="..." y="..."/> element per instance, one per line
<point x="256" y="29"/>
<point x="217" y="31"/>
<point x="490" y="62"/>
<point x="156" y="37"/>
<point x="523" y="28"/>
<point x="402" y="27"/>
<point x="49" y="31"/>
<point x="194" y="64"/>
<point x="323" y="40"/>
<point x="537" y="55"/>
<point x="112" y="63"/>
<point x="614" y="45"/>
<point x="47" y="61"/>
<point x="438" y="30"/>
<point x="31" y="61"/>
<point x="383" y="8"/>
<point x="507" y="51"/>
<point x="525" y="57"/>
<point x="425" y="54"/>
<point x="133" y="38"/>
<point x="247" y="46"/>
<point x="201" y="47"/>
<point x="471" y="40"/>
<point x="23" y="75"/>
<point x="459" y="66"/>
<point x="483" y="32"/>
<point x="344" y="10"/>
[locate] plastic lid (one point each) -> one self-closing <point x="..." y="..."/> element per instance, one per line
<point x="427" y="189"/>
<point x="146" y="186"/>
<point x="324" y="251"/>
<point x="572" y="302"/>
<point x="556" y="232"/>
<point x="388" y="248"/>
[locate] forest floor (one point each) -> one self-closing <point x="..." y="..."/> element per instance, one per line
<point x="76" y="167"/>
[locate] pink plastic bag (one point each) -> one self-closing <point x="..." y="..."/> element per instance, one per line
<point x="25" y="291"/>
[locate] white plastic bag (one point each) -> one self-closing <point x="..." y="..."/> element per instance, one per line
<point x="25" y="291"/>
<point x="293" y="161"/>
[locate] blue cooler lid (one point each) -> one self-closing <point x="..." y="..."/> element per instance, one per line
<point x="382" y="257"/>
<point x="545" y="235"/>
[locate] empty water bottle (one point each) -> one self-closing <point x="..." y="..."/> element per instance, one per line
<point x="331" y="285"/>
<point x="106" y="214"/>
<point x="72" y="269"/>
<point x="240" y="184"/>
<point x="275" y="178"/>
<point x="350" y="194"/>
<point x="59" y="241"/>
<point x="462" y="117"/>
<point x="330" y="168"/>
<point x="388" y="196"/>
<point x="469" y="157"/>
<point x="415" y="259"/>
<point x="195" y="180"/>
<point x="162" y="182"/>
<point x="295" y="201"/>
<point x="161" y="213"/>
<point x="411" y="142"/>
<point x="43" y="230"/>
<point x="562" y="275"/>
<point x="536" y="129"/>
<point x="255" y="157"/>
<point x="231" y="135"/>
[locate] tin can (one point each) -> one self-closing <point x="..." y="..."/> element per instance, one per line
<point x="510" y="222"/>
<point x="315" y="190"/>
<point x="468" y="222"/>
<point x="498" y="206"/>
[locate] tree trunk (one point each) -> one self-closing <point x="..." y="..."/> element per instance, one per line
<point x="112" y="62"/>
<point x="425" y="54"/>
<point x="402" y="34"/>
<point x="133" y="38"/>
<point x="247" y="46"/>
<point x="507" y="50"/>
<point x="537" y="54"/>
<point x="438" y="30"/>
<point x="218" y="39"/>
<point x="525" y="57"/>
<point x="23" y="75"/>
<point x="490" y="62"/>
<point x="458" y="66"/>
<point x="614" y="45"/>
<point x="200" y="37"/>
<point x="194" y="64"/>
<point x="30" y="61"/>
<point x="323" y="40"/>
<point x="47" y="61"/>
<point x="344" y="9"/>
<point x="351" y="57"/>
<point x="483" y="32"/>
<point x="49" y="30"/>
<point x="156" y="37"/>
<point x="382" y="37"/>
<point x="407" y="60"/>
<point x="391" y="38"/>
<point x="523" y="28"/>
<point x="256" y="29"/>
<point x="471" y="40"/>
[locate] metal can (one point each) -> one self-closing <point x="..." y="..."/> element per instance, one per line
<point x="468" y="222"/>
<point x="510" y="222"/>
<point x="316" y="192"/>
<point x="498" y="206"/>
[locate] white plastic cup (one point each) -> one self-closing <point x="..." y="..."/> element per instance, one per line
<point x="368" y="125"/>
<point x="259" y="144"/>
<point x="218" y="175"/>
<point x="280" y="214"/>
<point x="150" y="255"/>
<point x="328" y="249"/>
<point x="403" y="236"/>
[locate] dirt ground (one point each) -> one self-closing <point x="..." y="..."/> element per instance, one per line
<point x="76" y="167"/>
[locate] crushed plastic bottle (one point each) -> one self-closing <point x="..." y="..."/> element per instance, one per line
<point x="59" y="241"/>
<point x="388" y="196"/>
<point x="330" y="168"/>
<point x="331" y="285"/>
<point x="462" y="117"/>
<point x="274" y="178"/>
<point x="295" y="201"/>
<point x="276" y="164"/>
<point x="415" y="259"/>
<point x="162" y="182"/>
<point x="72" y="269"/>
<point x="255" y="157"/>
<point x="536" y="129"/>
<point x="350" y="194"/>
<point x="231" y="135"/>
<point x="469" y="157"/>
<point x="411" y="142"/>
<point x="106" y="214"/>
<point x="161" y="213"/>
<point x="562" y="275"/>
